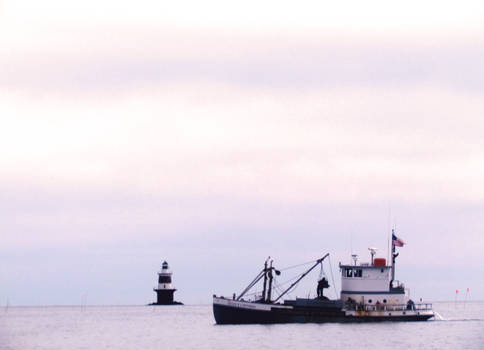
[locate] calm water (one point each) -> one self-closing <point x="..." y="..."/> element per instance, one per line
<point x="192" y="327"/>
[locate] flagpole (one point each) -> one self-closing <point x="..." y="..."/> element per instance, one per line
<point x="393" y="259"/>
<point x="396" y="242"/>
<point x="388" y="231"/>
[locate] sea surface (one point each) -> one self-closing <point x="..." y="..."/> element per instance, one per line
<point x="461" y="326"/>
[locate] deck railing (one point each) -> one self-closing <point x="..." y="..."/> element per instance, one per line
<point x="390" y="307"/>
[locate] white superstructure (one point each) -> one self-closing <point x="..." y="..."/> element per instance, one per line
<point x="369" y="290"/>
<point x="371" y="284"/>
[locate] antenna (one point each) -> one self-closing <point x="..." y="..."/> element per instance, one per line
<point x="354" y="257"/>
<point x="351" y="242"/>
<point x="372" y="252"/>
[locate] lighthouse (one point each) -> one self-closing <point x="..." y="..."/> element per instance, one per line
<point x="164" y="290"/>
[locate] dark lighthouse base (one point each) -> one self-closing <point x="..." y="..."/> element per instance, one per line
<point x="165" y="297"/>
<point x="173" y="303"/>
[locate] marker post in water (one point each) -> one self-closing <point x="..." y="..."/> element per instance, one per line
<point x="83" y="301"/>
<point x="456" y="293"/>
<point x="467" y="293"/>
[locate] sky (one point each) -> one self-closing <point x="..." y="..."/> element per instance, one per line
<point x="214" y="134"/>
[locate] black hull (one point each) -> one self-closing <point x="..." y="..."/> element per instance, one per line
<point x="233" y="315"/>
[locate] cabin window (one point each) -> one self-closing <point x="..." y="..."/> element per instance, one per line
<point x="385" y="301"/>
<point x="358" y="273"/>
<point x="349" y="273"/>
<point x="370" y="301"/>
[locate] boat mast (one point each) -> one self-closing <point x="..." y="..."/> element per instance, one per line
<point x="269" y="290"/>
<point x="265" y="280"/>
<point x="254" y="281"/>
<point x="261" y="274"/>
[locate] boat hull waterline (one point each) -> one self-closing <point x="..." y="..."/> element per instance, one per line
<point x="228" y="311"/>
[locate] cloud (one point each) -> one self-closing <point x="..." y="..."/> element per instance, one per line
<point x="195" y="141"/>
<point x="374" y="14"/>
<point x="78" y="59"/>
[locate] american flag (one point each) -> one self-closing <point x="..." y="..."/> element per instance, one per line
<point x="397" y="242"/>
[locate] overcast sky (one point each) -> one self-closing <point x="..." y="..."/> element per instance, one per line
<point x="213" y="134"/>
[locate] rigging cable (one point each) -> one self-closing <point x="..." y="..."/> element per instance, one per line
<point x="289" y="280"/>
<point x="260" y="275"/>
<point x="279" y="289"/>
<point x="279" y="285"/>
<point x="332" y="277"/>
<point x="321" y="272"/>
<point x="293" y="266"/>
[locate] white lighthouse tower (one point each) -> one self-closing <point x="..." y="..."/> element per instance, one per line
<point x="164" y="290"/>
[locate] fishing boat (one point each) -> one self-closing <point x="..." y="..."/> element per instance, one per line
<point x="369" y="293"/>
